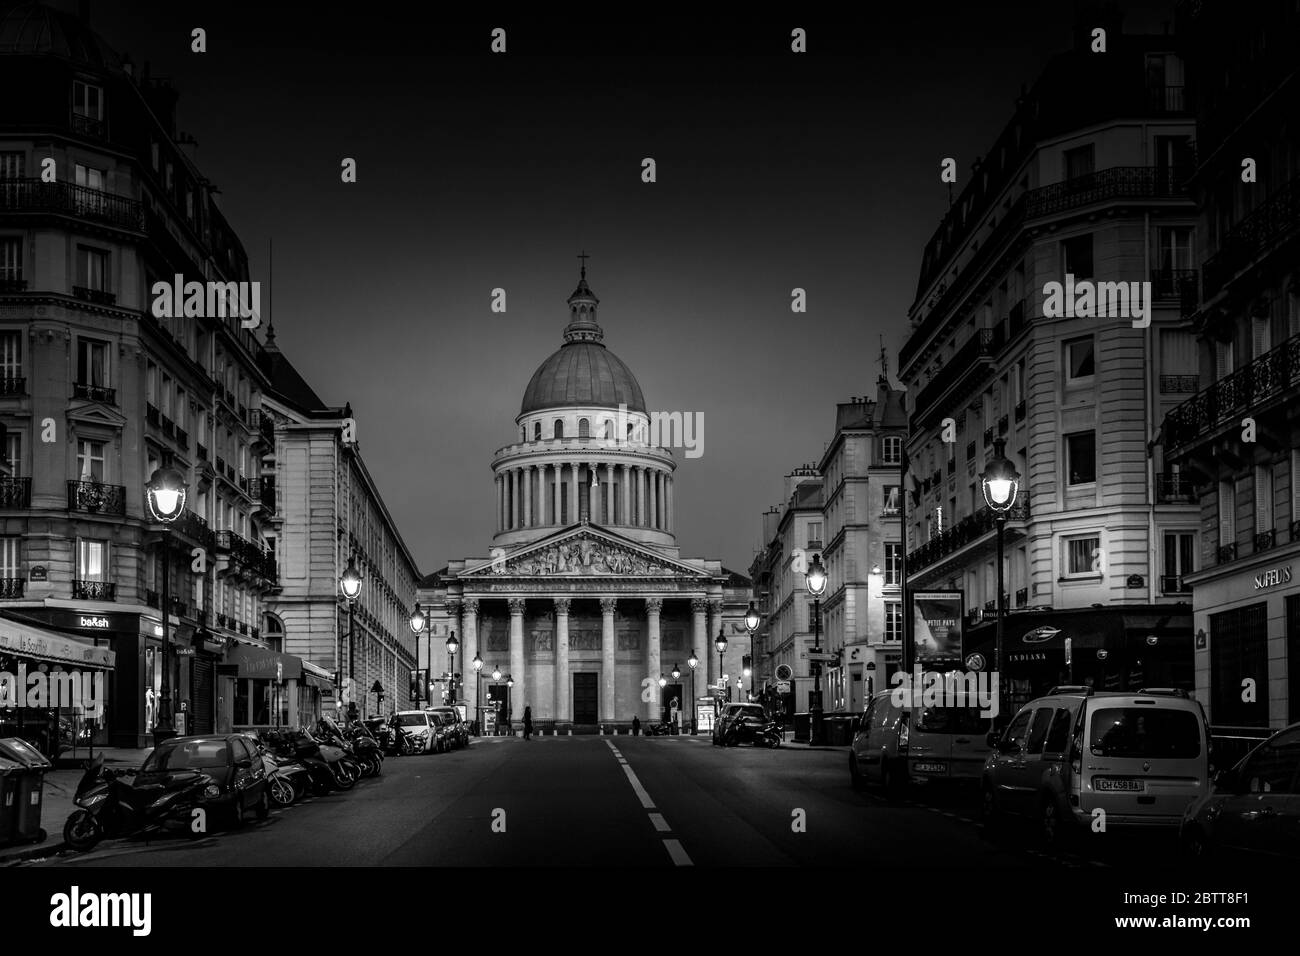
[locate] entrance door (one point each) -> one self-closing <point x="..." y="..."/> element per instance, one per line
<point x="202" y="675"/>
<point x="670" y="693"/>
<point x="584" y="698"/>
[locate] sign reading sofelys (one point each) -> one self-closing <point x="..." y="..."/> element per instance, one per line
<point x="1273" y="577"/>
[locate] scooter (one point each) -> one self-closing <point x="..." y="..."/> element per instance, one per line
<point x="110" y="807"/>
<point x="287" y="780"/>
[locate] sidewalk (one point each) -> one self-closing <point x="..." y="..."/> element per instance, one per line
<point x="57" y="805"/>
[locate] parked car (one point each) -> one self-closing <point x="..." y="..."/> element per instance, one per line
<point x="420" y="725"/>
<point x="1253" y="809"/>
<point x="1141" y="757"/>
<point x="878" y="751"/>
<point x="750" y="713"/>
<point x="237" y="778"/>
<point x="444" y="732"/>
<point x="895" y="747"/>
<point x="451" y="717"/>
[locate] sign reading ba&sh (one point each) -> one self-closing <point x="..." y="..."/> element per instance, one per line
<point x="937" y="624"/>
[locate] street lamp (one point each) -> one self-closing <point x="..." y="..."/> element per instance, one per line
<point x="452" y="646"/>
<point x="693" y="662"/>
<point x="663" y="681"/>
<point x="721" y="645"/>
<point x="752" y="620"/>
<point x="510" y="683"/>
<point x="1001" y="484"/>
<point x="477" y="664"/>
<point x="165" y="497"/>
<point x="815" y="580"/>
<point x="350" y="585"/>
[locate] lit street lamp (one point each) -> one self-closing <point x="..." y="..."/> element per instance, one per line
<point x="452" y="646"/>
<point x="477" y="664"/>
<point x="1001" y="483"/>
<point x="693" y="662"/>
<point x="350" y="585"/>
<point x="721" y="645"/>
<point x="752" y="620"/>
<point x="815" y="580"/>
<point x="510" y="683"/>
<point x="165" y="497"/>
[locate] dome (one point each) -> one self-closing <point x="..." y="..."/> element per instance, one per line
<point x="582" y="373"/>
<point x="33" y="28"/>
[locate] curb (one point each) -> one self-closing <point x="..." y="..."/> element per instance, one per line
<point x="39" y="851"/>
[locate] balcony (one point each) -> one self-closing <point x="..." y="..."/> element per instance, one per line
<point x="1226" y="553"/>
<point x="13" y="386"/>
<point x="94" y="591"/>
<point x="69" y="199"/>
<point x="1171" y="384"/>
<point x="93" y="497"/>
<point x="1173" y="487"/>
<point x="1116" y="182"/>
<point x="97" y="296"/>
<point x="195" y="527"/>
<point x="1277" y="219"/>
<point x="1174" y="584"/>
<point x="247" y="555"/>
<point x="12" y="588"/>
<point x="964" y="532"/>
<point x="89" y="125"/>
<point x="1235" y="396"/>
<point x="15" y="493"/>
<point x="969" y="364"/>
<point x="1264" y="540"/>
<point x="12" y="285"/>
<point x="255" y="633"/>
<point x="814" y="544"/>
<point x="1167" y="99"/>
<point x="94" y="393"/>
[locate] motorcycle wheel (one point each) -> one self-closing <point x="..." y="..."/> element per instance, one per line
<point x="281" y="791"/>
<point x="82" y="831"/>
<point x="343" y="776"/>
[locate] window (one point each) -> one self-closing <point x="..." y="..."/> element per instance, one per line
<point x="92" y="559"/>
<point x="1224" y="359"/>
<point x="891" y="499"/>
<point x="1180" y="550"/>
<point x="166" y="396"/>
<point x="1178" y="357"/>
<point x="584" y="428"/>
<point x="1079" y="359"/>
<point x="1293" y="311"/>
<point x="1295" y="484"/>
<point x="891" y="451"/>
<point x="180" y="408"/>
<point x="1038" y="729"/>
<point x="1076" y="256"/>
<point x="90" y="460"/>
<point x="1275" y="766"/>
<point x="537" y="431"/>
<point x="1079" y="161"/>
<point x="11" y="165"/>
<point x="92" y="362"/>
<point x="1058" y="737"/>
<point x="90" y="177"/>
<point x="1081" y="457"/>
<point x="814" y="534"/>
<point x="11" y="355"/>
<point x="1175" y="250"/>
<point x="87" y="100"/>
<point x="893" y="564"/>
<point x="1263" y="498"/>
<point x="14" y="452"/>
<point x="92" y="268"/>
<point x="11" y="558"/>
<point x="11" y="259"/>
<point x="559" y="428"/>
<point x="1014" y="738"/>
<point x="1080" y="552"/>
<point x="1227" y="513"/>
<point x="893" y="620"/>
<point x="1260" y="336"/>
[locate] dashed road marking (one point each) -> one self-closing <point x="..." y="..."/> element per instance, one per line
<point x="676" y="852"/>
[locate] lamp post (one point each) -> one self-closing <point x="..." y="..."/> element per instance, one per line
<point x="510" y="683"/>
<point x="477" y="664"/>
<point x="1001" y="484"/>
<point x="752" y="620"/>
<point x="165" y="496"/>
<point x="496" y="679"/>
<point x="350" y="585"/>
<point x="721" y="645"/>
<point x="815" y="580"/>
<point x="693" y="662"/>
<point x="452" y="646"/>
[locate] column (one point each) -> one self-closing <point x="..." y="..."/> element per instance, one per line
<point x="469" y="647"/>
<point x="510" y="499"/>
<point x="594" y="517"/>
<point x="715" y="625"/>
<point x="607" y="606"/>
<point x="516" y="693"/>
<point x="668" y="526"/>
<point x="701" y="644"/>
<point x="640" y="496"/>
<point x="656" y="500"/>
<point x="573" y="494"/>
<point x="556" y="487"/>
<point x="563" y="709"/>
<point x="528" y="496"/>
<point x="625" y="486"/>
<point x="654" y="666"/>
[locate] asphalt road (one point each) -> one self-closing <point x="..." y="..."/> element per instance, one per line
<point x="607" y="801"/>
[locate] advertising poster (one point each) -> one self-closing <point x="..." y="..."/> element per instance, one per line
<point x="937" y="625"/>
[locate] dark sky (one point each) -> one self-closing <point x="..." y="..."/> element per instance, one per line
<point x="477" y="171"/>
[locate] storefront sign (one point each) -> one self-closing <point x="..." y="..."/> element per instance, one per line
<point x="39" y="573"/>
<point x="100" y="623"/>
<point x="44" y="645"/>
<point x="1273" y="577"/>
<point x="937" y="624"/>
<point x="83" y="621"/>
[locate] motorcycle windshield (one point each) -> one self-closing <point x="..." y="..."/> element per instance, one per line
<point x="91" y="777"/>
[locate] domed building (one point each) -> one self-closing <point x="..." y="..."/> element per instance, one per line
<point x="584" y="601"/>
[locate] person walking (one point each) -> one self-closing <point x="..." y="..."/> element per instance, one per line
<point x="528" y="723"/>
<point x="636" y="725"/>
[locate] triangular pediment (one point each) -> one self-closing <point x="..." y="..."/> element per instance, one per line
<point x="583" y="551"/>
<point x="93" y="413"/>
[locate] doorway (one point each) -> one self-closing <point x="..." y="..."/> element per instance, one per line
<point x="584" y="698"/>
<point x="670" y="693"/>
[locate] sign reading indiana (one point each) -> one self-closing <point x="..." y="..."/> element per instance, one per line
<point x="937" y="624"/>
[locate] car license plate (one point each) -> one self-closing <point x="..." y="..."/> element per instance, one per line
<point x="930" y="768"/>
<point x="1118" y="784"/>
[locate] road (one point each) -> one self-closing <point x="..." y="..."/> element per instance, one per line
<point x="606" y="801"/>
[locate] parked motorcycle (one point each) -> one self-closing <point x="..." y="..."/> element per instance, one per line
<point x="659" y="730"/>
<point x="740" y="731"/>
<point x="110" y="807"/>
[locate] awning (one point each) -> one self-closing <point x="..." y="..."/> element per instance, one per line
<point x="258" y="662"/>
<point x="313" y="675"/>
<point x="25" y="640"/>
<point x="1045" y="631"/>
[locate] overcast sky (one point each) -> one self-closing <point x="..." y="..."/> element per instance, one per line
<point x="478" y="171"/>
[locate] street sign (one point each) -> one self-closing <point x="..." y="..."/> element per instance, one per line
<point x="783" y="672"/>
<point x="783" y="687"/>
<point x="185" y="652"/>
<point x="820" y="656"/>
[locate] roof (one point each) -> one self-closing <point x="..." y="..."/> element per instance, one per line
<point x="287" y="382"/>
<point x="582" y="373"/>
<point x="33" y="28"/>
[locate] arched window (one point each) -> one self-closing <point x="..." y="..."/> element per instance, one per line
<point x="608" y="431"/>
<point x="273" y="631"/>
<point x="523" y="433"/>
<point x="537" y="431"/>
<point x="559" y="428"/>
<point x="584" y="428"/>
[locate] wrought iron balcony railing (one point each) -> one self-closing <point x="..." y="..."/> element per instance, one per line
<point x="1116" y="182"/>
<point x="94" y="393"/>
<point x="1173" y="486"/>
<point x="1276" y="219"/>
<point x="98" y="296"/>
<point x="94" y="591"/>
<point x="982" y="347"/>
<point x="964" y="532"/>
<point x="195" y="527"/>
<point x="94" y="497"/>
<point x="1235" y="395"/>
<point x="11" y="588"/>
<point x="1174" y="584"/>
<point x="69" y="199"/>
<point x="13" y="386"/>
<point x="1179" y="383"/>
<point x="89" y="125"/>
<point x="15" y="492"/>
<point x="1171" y="283"/>
<point x="1167" y="99"/>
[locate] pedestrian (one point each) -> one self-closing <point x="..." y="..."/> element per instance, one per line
<point x="675" y="715"/>
<point x="528" y="723"/>
<point x="636" y="726"/>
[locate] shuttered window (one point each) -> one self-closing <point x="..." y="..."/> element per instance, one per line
<point x="1263" y="498"/>
<point x="1259" y="336"/>
<point x="1227" y="513"/>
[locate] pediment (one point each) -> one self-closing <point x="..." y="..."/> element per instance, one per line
<point x="93" y="413"/>
<point x="584" y="552"/>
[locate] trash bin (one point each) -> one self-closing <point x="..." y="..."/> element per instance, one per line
<point x="10" y="778"/>
<point x="28" y="786"/>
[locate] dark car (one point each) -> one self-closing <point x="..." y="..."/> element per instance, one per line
<point x="459" y="730"/>
<point x="752" y="714"/>
<point x="237" y="779"/>
<point x="1252" y="811"/>
<point x="444" y="732"/>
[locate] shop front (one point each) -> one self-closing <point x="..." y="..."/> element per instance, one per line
<point x="261" y="689"/>
<point x="54" y="689"/>
<point x="1115" y="649"/>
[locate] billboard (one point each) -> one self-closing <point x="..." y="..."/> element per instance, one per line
<point x="937" y="625"/>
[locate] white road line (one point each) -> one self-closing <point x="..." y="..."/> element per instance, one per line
<point x="660" y="823"/>
<point x="676" y="851"/>
<point x="640" y="790"/>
